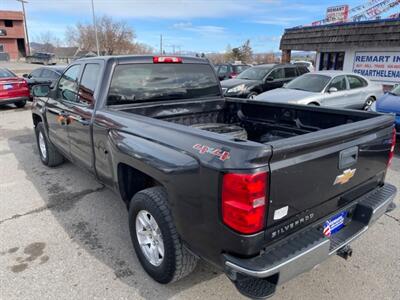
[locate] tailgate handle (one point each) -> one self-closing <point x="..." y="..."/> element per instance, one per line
<point x="348" y="157"/>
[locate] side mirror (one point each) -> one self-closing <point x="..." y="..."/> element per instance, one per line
<point x="40" y="91"/>
<point x="25" y="75"/>
<point x="332" y="90"/>
<point x="269" y="79"/>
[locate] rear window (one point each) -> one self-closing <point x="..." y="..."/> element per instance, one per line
<point x="4" y="73"/>
<point x="151" y="82"/>
<point x="302" y="70"/>
<point x="240" y="69"/>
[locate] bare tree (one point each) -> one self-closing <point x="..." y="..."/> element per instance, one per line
<point x="115" y="37"/>
<point x="48" y="42"/>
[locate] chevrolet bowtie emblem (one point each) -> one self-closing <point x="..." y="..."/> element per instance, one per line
<point x="345" y="177"/>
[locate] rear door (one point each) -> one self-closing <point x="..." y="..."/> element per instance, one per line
<point x="356" y="95"/>
<point x="57" y="110"/>
<point x="80" y="115"/>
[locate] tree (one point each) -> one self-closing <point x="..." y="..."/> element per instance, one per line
<point x="48" y="42"/>
<point x="243" y="53"/>
<point x="115" y="37"/>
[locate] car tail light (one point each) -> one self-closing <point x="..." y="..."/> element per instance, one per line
<point x="234" y="75"/>
<point x="244" y="198"/>
<point x="391" y="153"/>
<point x="23" y="83"/>
<point x="167" y="59"/>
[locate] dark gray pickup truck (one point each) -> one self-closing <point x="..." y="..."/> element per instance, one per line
<point x="262" y="191"/>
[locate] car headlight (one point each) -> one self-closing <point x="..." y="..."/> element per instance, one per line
<point x="237" y="89"/>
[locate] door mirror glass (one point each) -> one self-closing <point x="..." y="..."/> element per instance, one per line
<point x="25" y="75"/>
<point x="332" y="90"/>
<point x="41" y="90"/>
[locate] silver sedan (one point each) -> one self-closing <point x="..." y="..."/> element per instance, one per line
<point x="327" y="88"/>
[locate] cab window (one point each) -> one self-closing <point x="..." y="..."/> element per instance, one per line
<point x="339" y="83"/>
<point x="68" y="84"/>
<point x="88" y="83"/>
<point x="277" y="74"/>
<point x="356" y="82"/>
<point x="290" y="72"/>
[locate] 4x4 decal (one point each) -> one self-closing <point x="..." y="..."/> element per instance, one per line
<point x="203" y="149"/>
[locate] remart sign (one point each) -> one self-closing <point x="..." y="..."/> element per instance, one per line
<point x="378" y="66"/>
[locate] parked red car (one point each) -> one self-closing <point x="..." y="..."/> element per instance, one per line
<point x="13" y="89"/>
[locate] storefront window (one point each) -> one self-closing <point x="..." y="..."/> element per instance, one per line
<point x="331" y="61"/>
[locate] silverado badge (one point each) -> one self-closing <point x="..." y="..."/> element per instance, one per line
<point x="345" y="177"/>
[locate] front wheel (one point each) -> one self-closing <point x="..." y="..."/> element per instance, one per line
<point x="252" y="95"/>
<point x="49" y="155"/>
<point x="20" y="104"/>
<point x="155" y="239"/>
<point x="368" y="103"/>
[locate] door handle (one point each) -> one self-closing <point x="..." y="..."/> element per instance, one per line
<point x="80" y="120"/>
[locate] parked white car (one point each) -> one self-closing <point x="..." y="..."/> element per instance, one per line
<point x="327" y="88"/>
<point x="307" y="64"/>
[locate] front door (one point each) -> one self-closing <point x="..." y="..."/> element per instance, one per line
<point x="57" y="111"/>
<point x="274" y="80"/>
<point x="80" y="116"/>
<point x="338" y="98"/>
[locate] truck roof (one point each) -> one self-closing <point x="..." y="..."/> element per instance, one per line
<point x="123" y="59"/>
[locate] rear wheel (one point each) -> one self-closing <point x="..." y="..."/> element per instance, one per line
<point x="155" y="239"/>
<point x="368" y="103"/>
<point x="20" y="104"/>
<point x="49" y="155"/>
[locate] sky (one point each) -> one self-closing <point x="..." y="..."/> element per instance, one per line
<point x="190" y="25"/>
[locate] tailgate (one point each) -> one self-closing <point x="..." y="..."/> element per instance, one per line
<point x="313" y="175"/>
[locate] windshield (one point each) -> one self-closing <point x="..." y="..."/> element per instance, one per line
<point x="4" y="73"/>
<point x="310" y="82"/>
<point x="152" y="82"/>
<point x="396" y="90"/>
<point x="255" y="73"/>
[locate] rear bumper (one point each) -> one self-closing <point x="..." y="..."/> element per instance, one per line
<point x="13" y="100"/>
<point x="309" y="247"/>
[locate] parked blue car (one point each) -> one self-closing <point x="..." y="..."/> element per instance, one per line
<point x="390" y="103"/>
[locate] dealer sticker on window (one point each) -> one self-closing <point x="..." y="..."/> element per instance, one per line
<point x="334" y="224"/>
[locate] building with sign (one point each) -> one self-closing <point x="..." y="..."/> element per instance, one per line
<point x="12" y="35"/>
<point x="370" y="48"/>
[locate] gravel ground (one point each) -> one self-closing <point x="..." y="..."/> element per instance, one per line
<point x="64" y="236"/>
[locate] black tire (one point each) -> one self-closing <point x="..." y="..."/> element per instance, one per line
<point x="252" y="95"/>
<point x="20" y="104"/>
<point x="52" y="158"/>
<point x="177" y="262"/>
<point x="368" y="103"/>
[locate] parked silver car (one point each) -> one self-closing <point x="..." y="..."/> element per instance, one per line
<point x="327" y="88"/>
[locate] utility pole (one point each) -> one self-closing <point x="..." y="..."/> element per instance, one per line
<point x="95" y="30"/>
<point x="161" y="46"/>
<point x="26" y="27"/>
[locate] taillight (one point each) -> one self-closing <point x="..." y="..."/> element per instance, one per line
<point x="167" y="59"/>
<point x="234" y="75"/>
<point x="391" y="153"/>
<point x="244" y="198"/>
<point x="24" y="83"/>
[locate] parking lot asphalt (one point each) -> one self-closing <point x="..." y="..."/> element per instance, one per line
<point x="64" y="236"/>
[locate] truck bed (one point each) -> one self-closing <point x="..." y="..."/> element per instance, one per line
<point x="306" y="142"/>
<point x="247" y="120"/>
